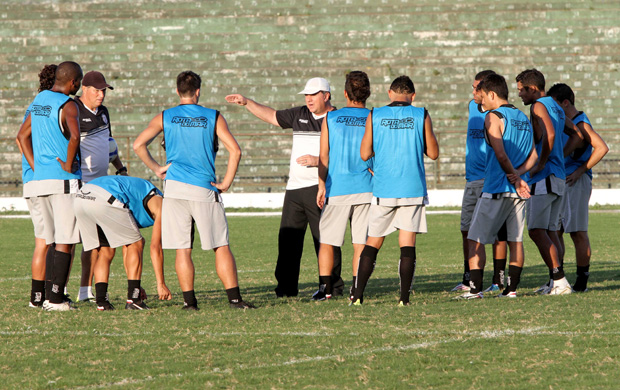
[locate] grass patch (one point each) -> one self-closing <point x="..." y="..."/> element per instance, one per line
<point x="530" y="342"/>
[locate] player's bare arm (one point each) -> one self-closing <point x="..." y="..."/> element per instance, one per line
<point x="323" y="164"/>
<point x="599" y="150"/>
<point x="431" y="147"/>
<point x="366" y="151"/>
<point x="144" y="139"/>
<point x="264" y="113"/>
<point x="234" y="153"/>
<point x="157" y="253"/>
<point x="24" y="141"/>
<point x="528" y="164"/>
<point x="70" y="123"/>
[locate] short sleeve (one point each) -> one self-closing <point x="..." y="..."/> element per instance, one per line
<point x="287" y="117"/>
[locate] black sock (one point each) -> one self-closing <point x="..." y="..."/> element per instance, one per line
<point x="466" y="274"/>
<point x="234" y="295"/>
<point x="557" y="273"/>
<point x="60" y="272"/>
<point x="475" y="282"/>
<point x="49" y="264"/>
<point x="583" y="273"/>
<point x="368" y="259"/>
<point x="189" y="297"/>
<point x="101" y="293"/>
<point x="37" y="292"/>
<point x="514" y="278"/>
<point x="406" y="271"/>
<point x="499" y="268"/>
<point x="133" y="291"/>
<point x="325" y="282"/>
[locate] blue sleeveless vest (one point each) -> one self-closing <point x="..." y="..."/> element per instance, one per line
<point x="555" y="162"/>
<point x="189" y="131"/>
<point x="132" y="191"/>
<point x="579" y="156"/>
<point x="518" y="139"/>
<point x="48" y="140"/>
<point x="398" y="143"/>
<point x="347" y="173"/>
<point x="476" y="148"/>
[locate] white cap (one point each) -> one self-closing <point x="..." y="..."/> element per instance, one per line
<point x="315" y="85"/>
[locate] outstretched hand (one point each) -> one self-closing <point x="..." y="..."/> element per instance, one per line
<point x="237" y="99"/>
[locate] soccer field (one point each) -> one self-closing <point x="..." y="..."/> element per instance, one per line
<point x="532" y="342"/>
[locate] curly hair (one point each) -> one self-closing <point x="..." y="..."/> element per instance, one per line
<point x="47" y="76"/>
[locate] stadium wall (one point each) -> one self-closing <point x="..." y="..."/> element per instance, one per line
<point x="267" y="49"/>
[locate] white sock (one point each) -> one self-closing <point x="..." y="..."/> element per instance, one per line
<point x="86" y="292"/>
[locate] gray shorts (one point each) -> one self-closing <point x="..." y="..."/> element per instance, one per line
<point x="575" y="210"/>
<point x="471" y="194"/>
<point x="92" y="209"/>
<point x="59" y="223"/>
<point x="385" y="219"/>
<point x="543" y="212"/>
<point x="333" y="223"/>
<point x="37" y="219"/>
<point x="178" y="216"/>
<point x="489" y="216"/>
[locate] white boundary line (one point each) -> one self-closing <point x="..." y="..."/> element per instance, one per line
<point x="462" y="337"/>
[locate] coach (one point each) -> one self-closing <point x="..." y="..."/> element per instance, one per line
<point x="95" y="131"/>
<point x="299" y="207"/>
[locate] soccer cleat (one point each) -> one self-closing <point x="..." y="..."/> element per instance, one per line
<point x="35" y="305"/>
<point x="492" y="288"/>
<point x="509" y="294"/>
<point x="131" y="305"/>
<point x="105" y="306"/>
<point x="561" y="290"/>
<point x="338" y="292"/>
<point x="64" y="306"/>
<point x="403" y="304"/>
<point x="545" y="288"/>
<point x="469" y="295"/>
<point x="461" y="287"/>
<point x="242" y="305"/>
<point x="189" y="307"/>
<point x="321" y="296"/>
<point x="357" y="302"/>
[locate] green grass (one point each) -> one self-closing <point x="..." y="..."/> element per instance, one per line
<point x="532" y="342"/>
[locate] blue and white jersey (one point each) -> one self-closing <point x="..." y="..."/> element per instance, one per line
<point x="555" y="162"/>
<point x="518" y="139"/>
<point x="579" y="156"/>
<point x="347" y="173"/>
<point x="27" y="172"/>
<point x="48" y="139"/>
<point x="133" y="192"/>
<point x="398" y="143"/>
<point x="189" y="132"/>
<point x="475" y="148"/>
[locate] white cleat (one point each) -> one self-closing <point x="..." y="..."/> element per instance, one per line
<point x="561" y="287"/>
<point x="469" y="295"/>
<point x="64" y="306"/>
<point x="510" y="294"/>
<point x="461" y="287"/>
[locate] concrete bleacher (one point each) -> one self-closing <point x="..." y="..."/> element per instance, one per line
<point x="267" y="49"/>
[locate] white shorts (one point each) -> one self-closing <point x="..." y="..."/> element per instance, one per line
<point x="59" y="223"/>
<point x="471" y="194"/>
<point x="489" y="216"/>
<point x="385" y="219"/>
<point x="333" y="223"/>
<point x="117" y="223"/>
<point x="178" y="217"/>
<point x="37" y="219"/>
